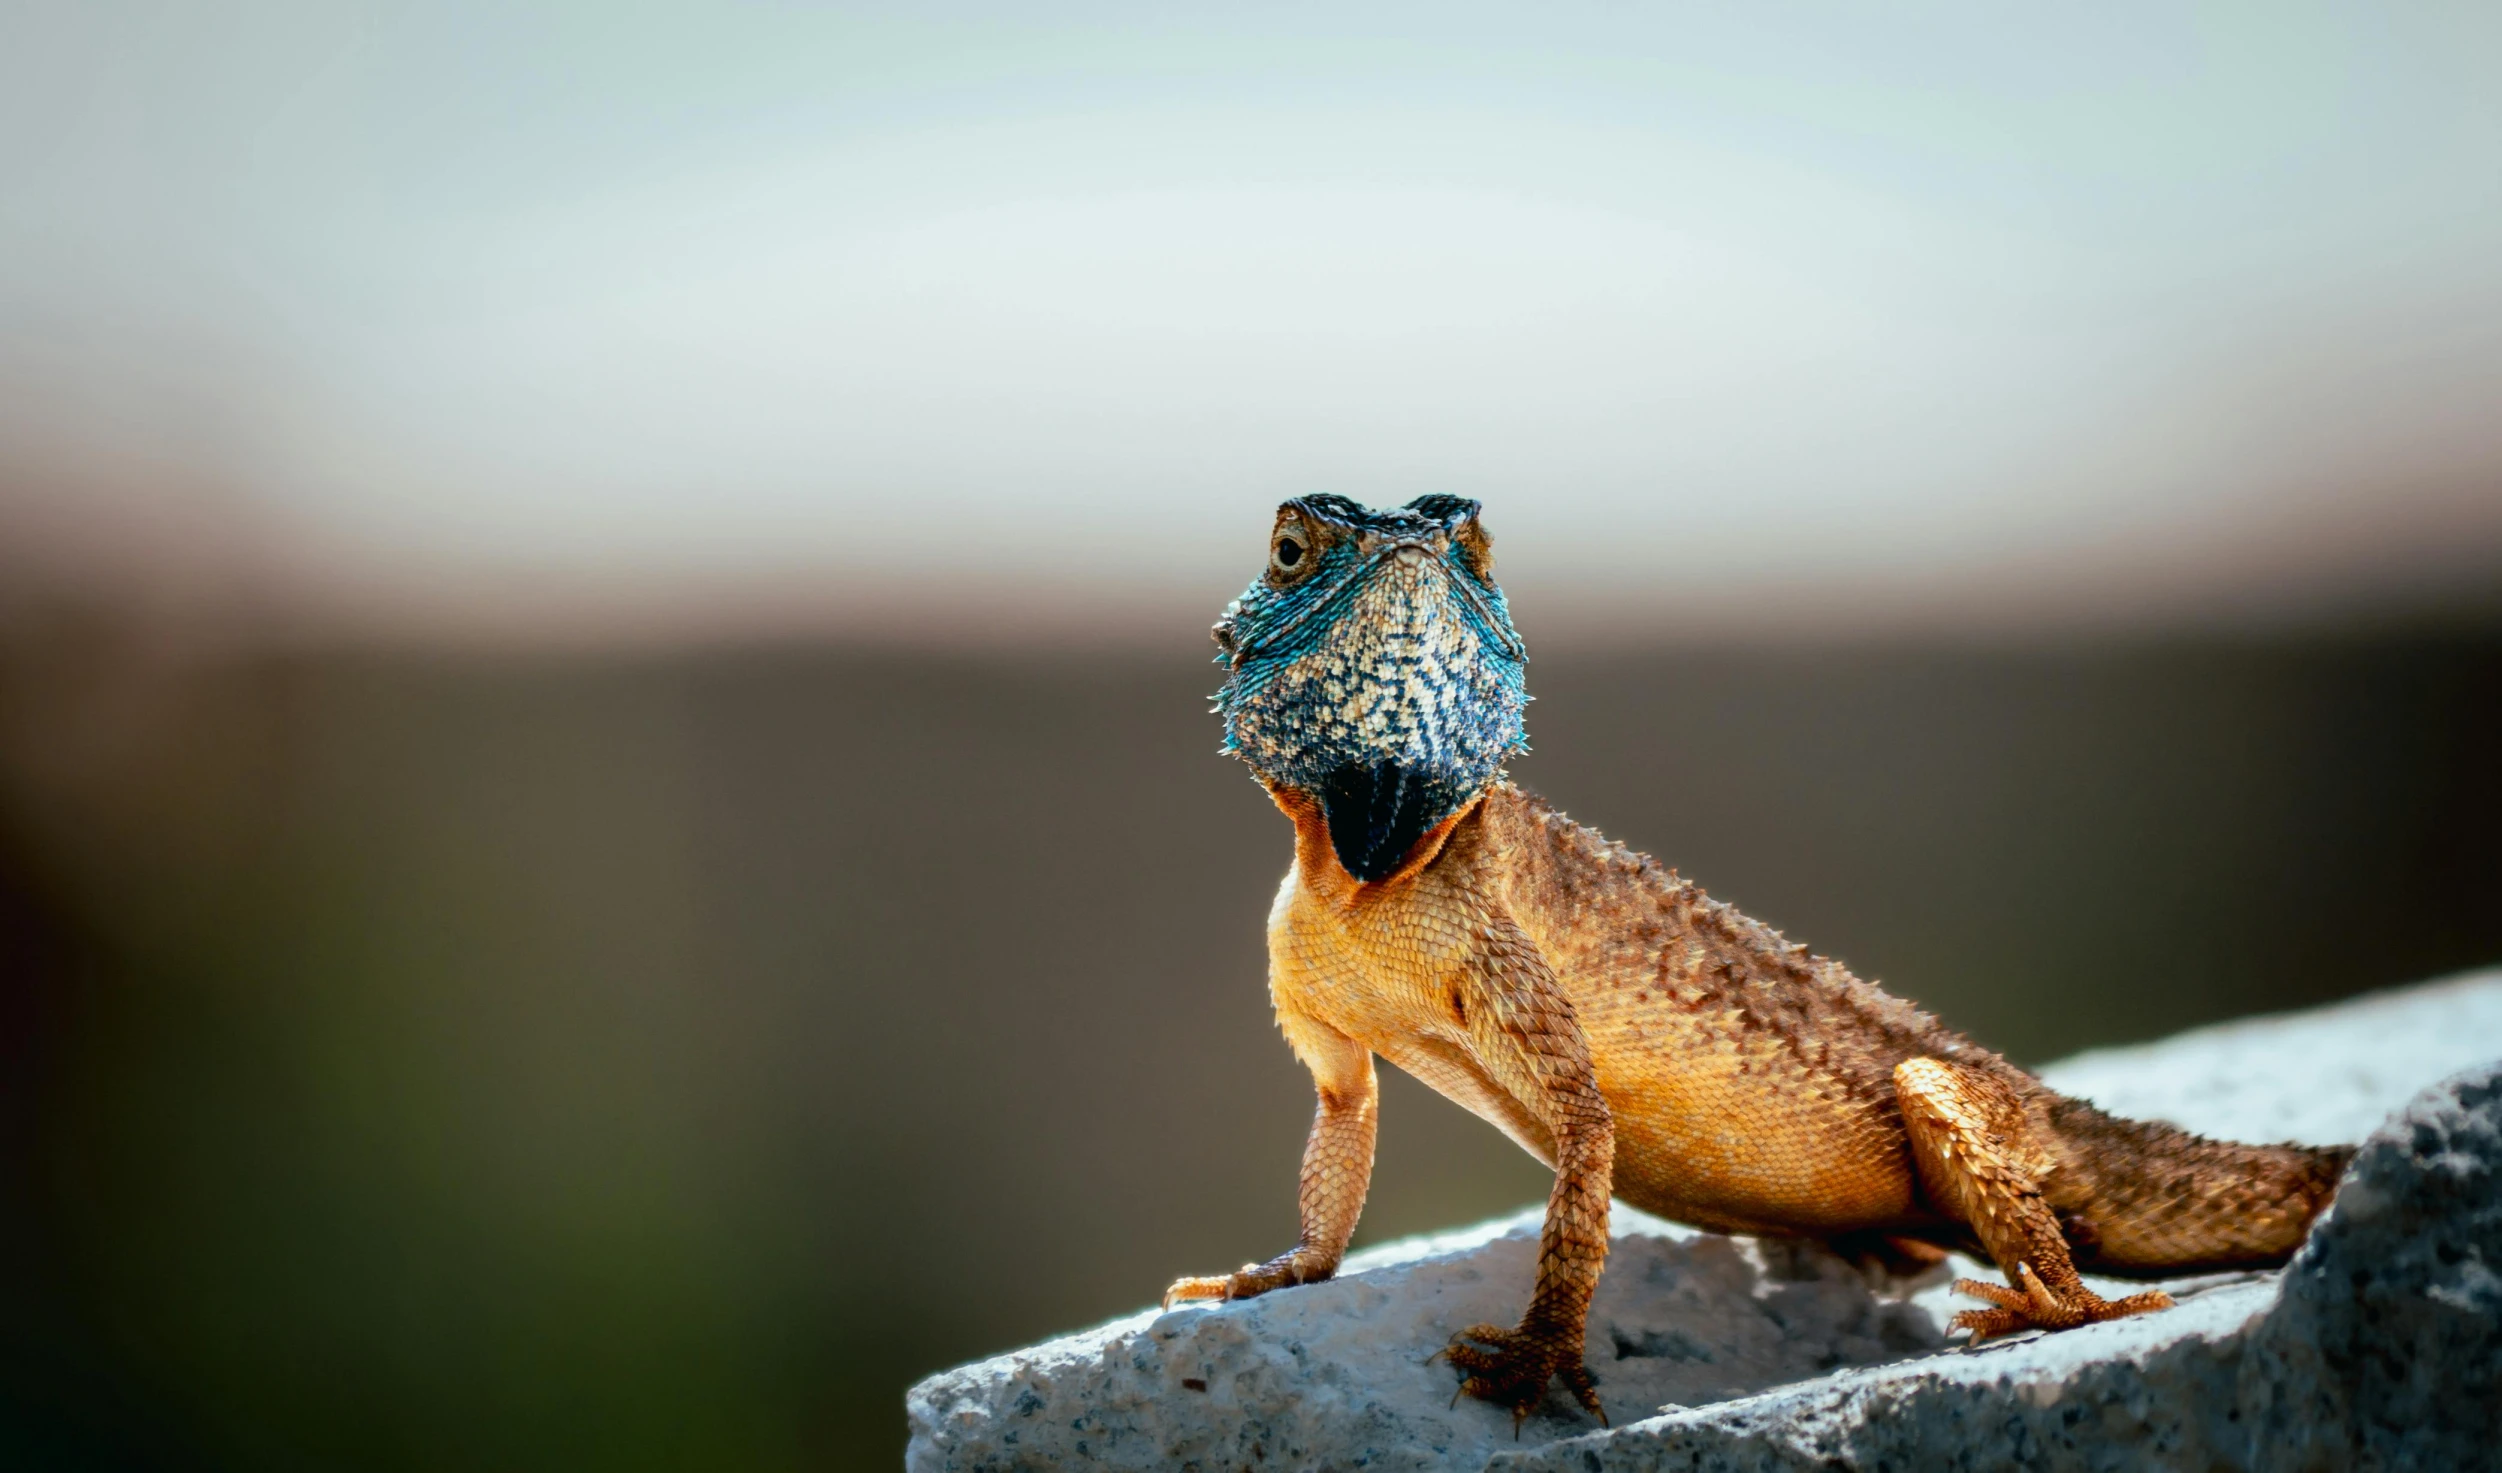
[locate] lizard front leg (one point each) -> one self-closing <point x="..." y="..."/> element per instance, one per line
<point x="1523" y="1031"/>
<point x="1337" y="1168"/>
<point x="1977" y="1158"/>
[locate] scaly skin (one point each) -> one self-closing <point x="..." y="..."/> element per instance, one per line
<point x="1643" y="1039"/>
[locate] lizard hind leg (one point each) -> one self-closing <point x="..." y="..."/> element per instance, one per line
<point x="1978" y="1159"/>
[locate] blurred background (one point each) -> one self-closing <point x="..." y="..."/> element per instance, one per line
<point x="610" y="846"/>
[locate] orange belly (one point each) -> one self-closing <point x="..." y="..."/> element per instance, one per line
<point x="1741" y="1138"/>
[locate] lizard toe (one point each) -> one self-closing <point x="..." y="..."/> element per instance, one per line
<point x="1998" y="1294"/>
<point x="1475" y="1358"/>
<point x="1989" y="1324"/>
<point x="2047" y="1309"/>
<point x="1183" y="1291"/>
<point x="1584" y="1389"/>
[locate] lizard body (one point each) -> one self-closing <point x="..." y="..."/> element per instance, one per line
<point x="1638" y="1037"/>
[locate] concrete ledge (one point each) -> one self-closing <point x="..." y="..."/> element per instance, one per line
<point x="2380" y="1346"/>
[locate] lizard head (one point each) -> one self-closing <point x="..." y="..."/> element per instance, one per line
<point x="1372" y="666"/>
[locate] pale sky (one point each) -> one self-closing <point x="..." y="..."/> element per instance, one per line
<point x="1731" y="315"/>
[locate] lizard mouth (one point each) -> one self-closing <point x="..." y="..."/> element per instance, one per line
<point x="1378" y="810"/>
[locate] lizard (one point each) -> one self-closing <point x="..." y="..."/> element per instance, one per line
<point x="1638" y="1037"/>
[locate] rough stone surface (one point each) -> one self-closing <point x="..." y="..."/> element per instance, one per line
<point x="1335" y="1374"/>
<point x="2387" y="1345"/>
<point x="2380" y="1346"/>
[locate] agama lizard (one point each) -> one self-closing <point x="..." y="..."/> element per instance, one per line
<point x="1621" y="1026"/>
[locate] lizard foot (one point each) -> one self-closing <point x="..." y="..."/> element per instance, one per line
<point x="1511" y="1368"/>
<point x="2031" y="1305"/>
<point x="1283" y="1271"/>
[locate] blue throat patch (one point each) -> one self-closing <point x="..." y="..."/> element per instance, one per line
<point x="1373" y="666"/>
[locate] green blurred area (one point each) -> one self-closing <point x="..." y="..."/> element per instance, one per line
<point x="431" y="1061"/>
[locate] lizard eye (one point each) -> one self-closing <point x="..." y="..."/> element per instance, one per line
<point x="1290" y="551"/>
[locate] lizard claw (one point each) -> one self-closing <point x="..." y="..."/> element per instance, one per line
<point x="1511" y="1368"/>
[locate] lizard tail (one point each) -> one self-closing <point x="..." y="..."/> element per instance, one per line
<point x="2159" y="1200"/>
